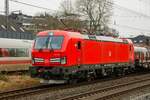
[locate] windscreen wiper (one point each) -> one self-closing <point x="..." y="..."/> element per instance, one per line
<point x="51" y="48"/>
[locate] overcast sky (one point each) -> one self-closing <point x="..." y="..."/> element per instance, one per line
<point x="51" y="4"/>
<point x="133" y="17"/>
<point x="129" y="17"/>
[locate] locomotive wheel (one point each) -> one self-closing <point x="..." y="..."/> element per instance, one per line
<point x="90" y="78"/>
<point x="72" y="81"/>
<point x="33" y="71"/>
<point x="118" y="72"/>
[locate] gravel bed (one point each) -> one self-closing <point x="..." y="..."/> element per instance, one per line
<point x="140" y="94"/>
<point x="53" y="95"/>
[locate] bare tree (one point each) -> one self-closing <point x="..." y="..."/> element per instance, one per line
<point x="66" y="6"/>
<point x="68" y="17"/>
<point x="97" y="13"/>
<point x="44" y="21"/>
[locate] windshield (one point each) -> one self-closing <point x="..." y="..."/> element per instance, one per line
<point x="51" y="42"/>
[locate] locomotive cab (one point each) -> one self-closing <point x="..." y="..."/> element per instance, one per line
<point x="53" y="53"/>
<point x="48" y="51"/>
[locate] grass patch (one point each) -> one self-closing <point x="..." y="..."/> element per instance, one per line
<point x="3" y="77"/>
<point x="13" y="82"/>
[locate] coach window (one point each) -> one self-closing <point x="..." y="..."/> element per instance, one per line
<point x="142" y="56"/>
<point x="79" y="45"/>
<point x="12" y="52"/>
<point x="0" y="52"/>
<point x="22" y="52"/>
<point x="146" y="56"/>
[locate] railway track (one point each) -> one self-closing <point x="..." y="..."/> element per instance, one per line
<point x="20" y="92"/>
<point x="38" y="89"/>
<point x="109" y="92"/>
<point x="14" y="72"/>
<point x="50" y="88"/>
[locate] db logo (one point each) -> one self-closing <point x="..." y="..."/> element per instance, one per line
<point x="109" y="53"/>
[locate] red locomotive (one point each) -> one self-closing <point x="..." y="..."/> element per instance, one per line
<point x="70" y="56"/>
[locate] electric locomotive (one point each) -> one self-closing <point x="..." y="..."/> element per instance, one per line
<point x="64" y="56"/>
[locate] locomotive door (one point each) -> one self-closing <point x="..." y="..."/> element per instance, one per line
<point x="79" y="51"/>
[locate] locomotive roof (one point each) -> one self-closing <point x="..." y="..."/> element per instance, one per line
<point x="84" y="36"/>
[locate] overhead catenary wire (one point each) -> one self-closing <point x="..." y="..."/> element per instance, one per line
<point x="133" y="12"/>
<point x="35" y="6"/>
<point x="134" y="28"/>
<point x="108" y="4"/>
<point x="127" y="9"/>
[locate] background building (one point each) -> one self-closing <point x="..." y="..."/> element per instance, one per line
<point x="13" y="29"/>
<point x="141" y="40"/>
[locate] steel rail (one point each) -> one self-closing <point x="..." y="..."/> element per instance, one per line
<point x="41" y="89"/>
<point x="48" y="88"/>
<point x="107" y="92"/>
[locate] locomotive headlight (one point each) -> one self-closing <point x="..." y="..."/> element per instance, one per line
<point x="58" y="60"/>
<point x="55" y="60"/>
<point x="63" y="60"/>
<point x="38" y="60"/>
